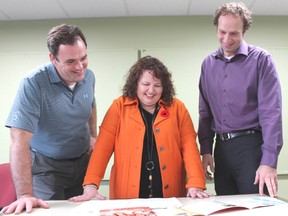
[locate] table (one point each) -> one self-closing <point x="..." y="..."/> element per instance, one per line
<point x="63" y="207"/>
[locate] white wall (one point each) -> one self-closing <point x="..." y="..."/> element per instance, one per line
<point x="114" y="45"/>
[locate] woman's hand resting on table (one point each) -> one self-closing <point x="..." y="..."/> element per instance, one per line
<point x="197" y="193"/>
<point x="90" y="192"/>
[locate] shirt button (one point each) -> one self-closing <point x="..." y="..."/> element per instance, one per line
<point x="157" y="130"/>
<point x="164" y="167"/>
<point x="161" y="148"/>
<point x="166" y="186"/>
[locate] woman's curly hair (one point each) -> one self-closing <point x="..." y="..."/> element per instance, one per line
<point x="159" y="70"/>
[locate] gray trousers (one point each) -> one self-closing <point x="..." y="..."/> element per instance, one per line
<point x="58" y="179"/>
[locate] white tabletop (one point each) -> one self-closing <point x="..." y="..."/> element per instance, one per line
<point x="63" y="208"/>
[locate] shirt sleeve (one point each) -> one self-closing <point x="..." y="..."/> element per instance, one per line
<point x="205" y="132"/>
<point x="270" y="110"/>
<point x="25" y="111"/>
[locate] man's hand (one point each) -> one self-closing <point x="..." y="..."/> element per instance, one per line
<point x="267" y="175"/>
<point x="25" y="202"/>
<point x="207" y="161"/>
<point x="92" y="143"/>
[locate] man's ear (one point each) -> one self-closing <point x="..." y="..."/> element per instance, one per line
<point x="52" y="57"/>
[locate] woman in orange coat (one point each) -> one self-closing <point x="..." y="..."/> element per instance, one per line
<point x="153" y="140"/>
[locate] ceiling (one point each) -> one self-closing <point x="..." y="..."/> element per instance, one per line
<point x="65" y="9"/>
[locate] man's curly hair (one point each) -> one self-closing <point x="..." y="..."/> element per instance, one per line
<point x="236" y="9"/>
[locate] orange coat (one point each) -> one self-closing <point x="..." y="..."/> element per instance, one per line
<point x="122" y="133"/>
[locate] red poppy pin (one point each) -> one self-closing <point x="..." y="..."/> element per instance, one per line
<point x="165" y="113"/>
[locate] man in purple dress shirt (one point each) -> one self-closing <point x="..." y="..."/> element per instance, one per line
<point x="240" y="103"/>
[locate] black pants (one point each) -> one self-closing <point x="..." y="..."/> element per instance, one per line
<point x="236" y="162"/>
<point x="58" y="179"/>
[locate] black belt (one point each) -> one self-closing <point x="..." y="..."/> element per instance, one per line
<point x="232" y="135"/>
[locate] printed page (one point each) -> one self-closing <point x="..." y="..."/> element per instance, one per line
<point x="256" y="202"/>
<point x="161" y="206"/>
<point x="214" y="206"/>
<point x="205" y="207"/>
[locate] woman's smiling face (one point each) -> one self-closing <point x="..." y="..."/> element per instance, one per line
<point x="149" y="90"/>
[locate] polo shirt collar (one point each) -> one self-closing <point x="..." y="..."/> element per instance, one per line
<point x="54" y="76"/>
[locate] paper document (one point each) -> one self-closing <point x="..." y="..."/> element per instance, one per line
<point x="161" y="206"/>
<point x="213" y="206"/>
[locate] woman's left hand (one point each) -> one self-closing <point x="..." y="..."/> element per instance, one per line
<point x="197" y="193"/>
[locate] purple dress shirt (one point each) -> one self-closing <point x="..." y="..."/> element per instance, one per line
<point x="240" y="94"/>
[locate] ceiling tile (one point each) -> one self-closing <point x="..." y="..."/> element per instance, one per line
<point x="277" y="7"/>
<point x="209" y="8"/>
<point x="157" y="8"/>
<point x="94" y="8"/>
<point x="31" y="9"/>
<point x="61" y="9"/>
